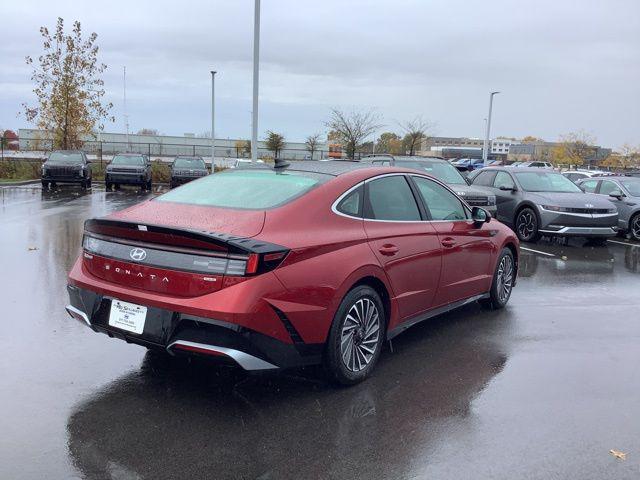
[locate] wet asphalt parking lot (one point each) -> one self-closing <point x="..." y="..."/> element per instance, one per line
<point x="541" y="390"/>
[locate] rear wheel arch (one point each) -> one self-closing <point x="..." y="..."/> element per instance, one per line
<point x="382" y="291"/>
<point x="514" y="250"/>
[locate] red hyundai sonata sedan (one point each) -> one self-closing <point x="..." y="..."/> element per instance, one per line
<point x="320" y="262"/>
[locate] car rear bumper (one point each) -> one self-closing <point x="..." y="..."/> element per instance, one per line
<point x="185" y="334"/>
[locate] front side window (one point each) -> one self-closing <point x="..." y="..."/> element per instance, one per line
<point x="632" y="185"/>
<point x="128" y="160"/>
<point x="606" y="187"/>
<point x="589" y="186"/>
<point x="440" y="202"/>
<point x="351" y="204"/>
<point x="546" y="182"/>
<point x="484" y="178"/>
<point x="245" y="189"/>
<point x="390" y="198"/>
<point x="503" y="179"/>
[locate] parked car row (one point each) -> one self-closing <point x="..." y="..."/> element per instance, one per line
<point x="537" y="201"/>
<point x="73" y="166"/>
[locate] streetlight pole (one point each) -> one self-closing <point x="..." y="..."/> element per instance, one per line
<point x="256" y="72"/>
<point x="213" y="118"/>
<point x="485" y="147"/>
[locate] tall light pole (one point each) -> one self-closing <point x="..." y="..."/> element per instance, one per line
<point x="256" y="71"/>
<point x="487" y="133"/>
<point x="213" y="118"/>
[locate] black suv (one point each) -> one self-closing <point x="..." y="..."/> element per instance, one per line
<point x="128" y="169"/>
<point x="66" y="166"/>
<point x="185" y="169"/>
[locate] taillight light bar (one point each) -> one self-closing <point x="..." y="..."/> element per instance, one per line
<point x="234" y="265"/>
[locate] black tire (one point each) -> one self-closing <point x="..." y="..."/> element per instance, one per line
<point x="502" y="284"/>
<point x="83" y="184"/>
<point x="116" y="186"/>
<point x="634" y="227"/>
<point x="108" y="186"/>
<point x="53" y="184"/>
<point x="352" y="343"/>
<point x="45" y="185"/>
<point x="149" y="185"/>
<point x="526" y="225"/>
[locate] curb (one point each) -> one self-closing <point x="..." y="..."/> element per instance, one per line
<point x="18" y="183"/>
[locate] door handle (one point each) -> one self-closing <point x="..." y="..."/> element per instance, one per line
<point x="388" y="250"/>
<point x="448" y="242"/>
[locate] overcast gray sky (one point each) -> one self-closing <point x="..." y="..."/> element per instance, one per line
<point x="562" y="65"/>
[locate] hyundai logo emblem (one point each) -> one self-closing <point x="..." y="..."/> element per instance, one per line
<point x="138" y="254"/>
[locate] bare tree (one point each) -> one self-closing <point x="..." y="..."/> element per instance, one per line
<point x="312" y="143"/>
<point x="353" y="128"/>
<point x="415" y="131"/>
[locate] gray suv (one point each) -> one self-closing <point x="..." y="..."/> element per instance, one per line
<point x="624" y="193"/>
<point x="184" y="169"/>
<point x="443" y="171"/>
<point x="128" y="169"/>
<point x="536" y="201"/>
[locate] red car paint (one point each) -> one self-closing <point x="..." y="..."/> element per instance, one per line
<point x="421" y="265"/>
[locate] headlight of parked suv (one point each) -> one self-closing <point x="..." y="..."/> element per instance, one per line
<point x="491" y="200"/>
<point x="553" y="208"/>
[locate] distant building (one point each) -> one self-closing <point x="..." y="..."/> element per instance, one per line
<point x="167" y="145"/>
<point x="450" y="147"/>
<point x="540" y="150"/>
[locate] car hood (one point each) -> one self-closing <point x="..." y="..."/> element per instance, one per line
<point x="570" y="200"/>
<point x="470" y="191"/>
<point x="241" y="223"/>
<point x="133" y="168"/>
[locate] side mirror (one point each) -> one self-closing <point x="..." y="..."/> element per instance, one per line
<point x="480" y="215"/>
<point x="507" y="188"/>
<point x="617" y="194"/>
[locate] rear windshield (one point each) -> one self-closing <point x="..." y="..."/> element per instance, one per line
<point x="128" y="160"/>
<point x="441" y="170"/>
<point x="193" y="163"/>
<point x="546" y="182"/>
<point x="246" y="189"/>
<point x="62" y="157"/>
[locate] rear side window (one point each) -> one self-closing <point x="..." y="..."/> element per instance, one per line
<point x="390" y="198"/>
<point x="245" y="189"/>
<point x="589" y="186"/>
<point x="352" y="204"/>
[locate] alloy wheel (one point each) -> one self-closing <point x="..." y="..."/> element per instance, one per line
<point x="505" y="278"/>
<point x="526" y="225"/>
<point x="635" y="227"/>
<point x="360" y="335"/>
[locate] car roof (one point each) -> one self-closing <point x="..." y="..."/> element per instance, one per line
<point x="517" y="170"/>
<point x="611" y="177"/>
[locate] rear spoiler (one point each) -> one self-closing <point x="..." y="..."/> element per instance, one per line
<point x="182" y="237"/>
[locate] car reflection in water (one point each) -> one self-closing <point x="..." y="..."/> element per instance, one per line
<point x="170" y="419"/>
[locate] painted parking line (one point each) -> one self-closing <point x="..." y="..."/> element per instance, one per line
<point x="624" y="243"/>
<point x="537" y="251"/>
